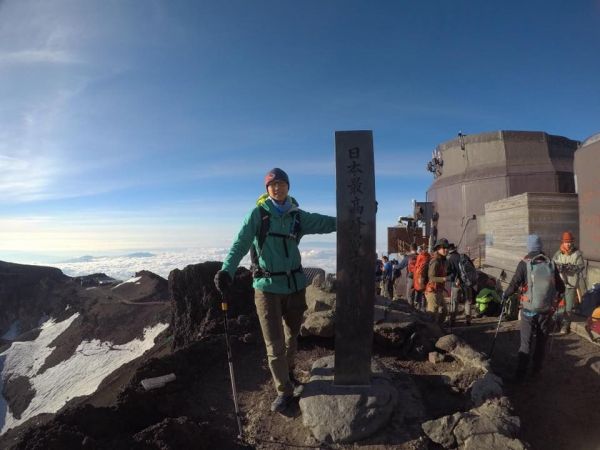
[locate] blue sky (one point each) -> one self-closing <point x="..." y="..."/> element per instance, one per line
<point x="149" y="125"/>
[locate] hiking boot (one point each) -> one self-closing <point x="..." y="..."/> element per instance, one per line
<point x="281" y="403"/>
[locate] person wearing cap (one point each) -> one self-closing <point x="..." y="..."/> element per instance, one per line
<point x="532" y="323"/>
<point x="279" y="282"/>
<point x="436" y="281"/>
<point x="569" y="261"/>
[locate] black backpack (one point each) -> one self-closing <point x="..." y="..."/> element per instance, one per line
<point x="468" y="273"/>
<point x="263" y="232"/>
<point x="590" y="301"/>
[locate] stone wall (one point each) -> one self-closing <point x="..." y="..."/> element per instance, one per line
<point x="509" y="221"/>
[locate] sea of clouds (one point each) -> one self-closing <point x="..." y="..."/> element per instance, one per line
<point x="162" y="263"/>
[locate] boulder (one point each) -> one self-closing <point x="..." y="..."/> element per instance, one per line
<point x="493" y="441"/>
<point x="436" y="358"/>
<point x="493" y="416"/>
<point x="343" y="414"/>
<point x="319" y="300"/>
<point x="448" y="343"/>
<point x="321" y="324"/>
<point x="394" y="328"/>
<point x="441" y="430"/>
<point x="469" y="356"/>
<point x="490" y="386"/>
<point x="460" y="350"/>
<point x="462" y="380"/>
<point x="487" y="426"/>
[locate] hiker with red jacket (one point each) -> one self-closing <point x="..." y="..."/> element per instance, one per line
<point x="279" y="282"/>
<point x="408" y="263"/>
<point x="420" y="277"/>
<point x="436" y="276"/>
<point x="538" y="280"/>
<point x="569" y="261"/>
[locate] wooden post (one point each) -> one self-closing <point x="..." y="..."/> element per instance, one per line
<point x="356" y="255"/>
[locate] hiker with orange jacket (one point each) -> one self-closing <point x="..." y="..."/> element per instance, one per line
<point x="419" y="272"/>
<point x="436" y="276"/>
<point x="569" y="261"/>
<point x="408" y="263"/>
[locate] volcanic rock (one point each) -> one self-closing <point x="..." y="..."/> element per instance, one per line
<point x="196" y="303"/>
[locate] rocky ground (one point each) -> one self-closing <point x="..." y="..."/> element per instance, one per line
<point x="560" y="409"/>
<point x="196" y="410"/>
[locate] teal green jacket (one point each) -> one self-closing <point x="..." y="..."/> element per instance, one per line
<point x="273" y="257"/>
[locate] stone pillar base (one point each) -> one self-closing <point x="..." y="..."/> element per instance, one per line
<point x="343" y="414"/>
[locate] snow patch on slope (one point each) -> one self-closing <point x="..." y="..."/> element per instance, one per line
<point x="79" y="375"/>
<point x="131" y="280"/>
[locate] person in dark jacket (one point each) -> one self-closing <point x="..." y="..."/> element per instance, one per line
<point x="459" y="290"/>
<point x="434" y="290"/>
<point x="533" y="323"/>
<point x="454" y="278"/>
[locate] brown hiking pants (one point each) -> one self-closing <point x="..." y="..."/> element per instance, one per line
<point x="435" y="303"/>
<point x="280" y="317"/>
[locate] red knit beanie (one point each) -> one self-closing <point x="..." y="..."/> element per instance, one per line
<point x="567" y="236"/>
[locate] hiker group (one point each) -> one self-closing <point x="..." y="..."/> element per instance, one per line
<point x="427" y="276"/>
<point x="542" y="293"/>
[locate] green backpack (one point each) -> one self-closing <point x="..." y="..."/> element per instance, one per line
<point x="488" y="302"/>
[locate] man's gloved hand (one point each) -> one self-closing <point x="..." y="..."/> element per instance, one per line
<point x="222" y="281"/>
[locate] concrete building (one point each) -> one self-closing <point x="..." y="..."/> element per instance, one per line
<point x="473" y="170"/>
<point x="587" y="172"/>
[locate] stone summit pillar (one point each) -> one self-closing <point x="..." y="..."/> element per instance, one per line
<point x="355" y="285"/>
<point x="349" y="397"/>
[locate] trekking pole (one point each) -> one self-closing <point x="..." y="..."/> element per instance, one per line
<point x="496" y="333"/>
<point x="231" y="373"/>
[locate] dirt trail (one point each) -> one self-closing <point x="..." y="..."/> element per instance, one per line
<point x="559" y="410"/>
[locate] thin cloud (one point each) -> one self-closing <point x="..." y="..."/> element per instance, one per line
<point x="37" y="56"/>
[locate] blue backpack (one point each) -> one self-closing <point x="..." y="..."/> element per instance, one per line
<point x="541" y="284"/>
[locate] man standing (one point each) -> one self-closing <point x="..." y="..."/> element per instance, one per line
<point x="387" y="286"/>
<point x="538" y="280"/>
<point x="408" y="263"/>
<point x="453" y="259"/>
<point x="569" y="261"/>
<point x="460" y="289"/>
<point x="436" y="276"/>
<point x="279" y="282"/>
